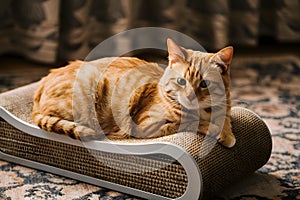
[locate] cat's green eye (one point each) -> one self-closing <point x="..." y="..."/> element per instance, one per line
<point x="181" y="81"/>
<point x="204" y="83"/>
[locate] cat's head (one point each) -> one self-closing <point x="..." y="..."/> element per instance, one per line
<point x="195" y="78"/>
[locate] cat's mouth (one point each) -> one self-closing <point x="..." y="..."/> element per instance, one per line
<point x="191" y="106"/>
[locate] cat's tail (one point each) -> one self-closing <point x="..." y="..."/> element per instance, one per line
<point x="65" y="127"/>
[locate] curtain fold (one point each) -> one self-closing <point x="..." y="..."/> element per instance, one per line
<point x="30" y="28"/>
<point x="60" y="30"/>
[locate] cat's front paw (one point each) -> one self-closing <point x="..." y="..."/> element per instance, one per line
<point x="228" y="140"/>
<point x="210" y="129"/>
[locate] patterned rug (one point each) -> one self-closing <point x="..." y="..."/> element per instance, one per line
<point x="270" y="86"/>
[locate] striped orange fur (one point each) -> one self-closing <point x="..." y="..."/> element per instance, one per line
<point x="122" y="97"/>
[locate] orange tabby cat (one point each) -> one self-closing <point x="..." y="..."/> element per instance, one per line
<point x="129" y="97"/>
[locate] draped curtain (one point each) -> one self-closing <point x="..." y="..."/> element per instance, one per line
<point x="52" y="31"/>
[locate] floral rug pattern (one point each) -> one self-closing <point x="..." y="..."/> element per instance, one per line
<point x="270" y="86"/>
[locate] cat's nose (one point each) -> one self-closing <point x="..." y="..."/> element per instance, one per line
<point x="191" y="96"/>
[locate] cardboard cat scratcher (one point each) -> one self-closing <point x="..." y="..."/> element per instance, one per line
<point x="179" y="166"/>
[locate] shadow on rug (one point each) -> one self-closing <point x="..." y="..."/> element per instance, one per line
<point x="269" y="86"/>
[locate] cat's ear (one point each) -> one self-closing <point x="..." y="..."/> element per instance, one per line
<point x="176" y="53"/>
<point x="224" y="57"/>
